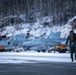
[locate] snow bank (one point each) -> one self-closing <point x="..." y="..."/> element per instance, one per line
<point x="37" y="30"/>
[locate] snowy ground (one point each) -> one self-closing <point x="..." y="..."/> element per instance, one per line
<point x="33" y="57"/>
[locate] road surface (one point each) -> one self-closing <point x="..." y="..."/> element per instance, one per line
<point x="53" y="68"/>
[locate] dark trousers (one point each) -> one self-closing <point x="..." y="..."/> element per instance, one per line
<point x="72" y="53"/>
<point x="73" y="50"/>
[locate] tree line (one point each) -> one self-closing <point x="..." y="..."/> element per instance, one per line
<point x="60" y="11"/>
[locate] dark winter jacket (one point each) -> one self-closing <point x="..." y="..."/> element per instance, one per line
<point x="72" y="41"/>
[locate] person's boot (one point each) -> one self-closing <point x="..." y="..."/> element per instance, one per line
<point x="72" y="60"/>
<point x="75" y="56"/>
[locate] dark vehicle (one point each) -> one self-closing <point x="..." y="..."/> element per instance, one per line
<point x="2" y="36"/>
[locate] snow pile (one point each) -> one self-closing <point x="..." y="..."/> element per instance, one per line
<point x="37" y="30"/>
<point x="72" y="20"/>
<point x="10" y="30"/>
<point x="65" y="30"/>
<point x="34" y="30"/>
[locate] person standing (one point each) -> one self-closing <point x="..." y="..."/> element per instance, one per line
<point x="72" y="44"/>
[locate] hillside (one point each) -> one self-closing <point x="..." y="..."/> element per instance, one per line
<point x="38" y="30"/>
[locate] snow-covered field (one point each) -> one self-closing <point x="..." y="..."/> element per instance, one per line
<point x="33" y="57"/>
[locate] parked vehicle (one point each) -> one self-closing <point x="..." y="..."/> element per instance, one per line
<point x="2" y="36"/>
<point x="2" y="48"/>
<point x="37" y="44"/>
<point x="61" y="48"/>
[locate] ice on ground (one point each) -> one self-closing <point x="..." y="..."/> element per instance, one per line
<point x="33" y="57"/>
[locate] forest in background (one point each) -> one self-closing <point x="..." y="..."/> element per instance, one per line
<point x="60" y="11"/>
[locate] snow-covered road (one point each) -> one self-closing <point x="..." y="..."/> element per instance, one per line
<point x="33" y="57"/>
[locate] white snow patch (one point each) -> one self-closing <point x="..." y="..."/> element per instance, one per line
<point x="33" y="57"/>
